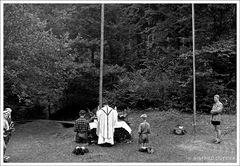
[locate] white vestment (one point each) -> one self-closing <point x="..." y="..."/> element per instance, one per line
<point x="107" y="119"/>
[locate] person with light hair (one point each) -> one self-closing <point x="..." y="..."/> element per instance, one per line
<point x="143" y="131"/>
<point x="7" y="130"/>
<point x="216" y="118"/>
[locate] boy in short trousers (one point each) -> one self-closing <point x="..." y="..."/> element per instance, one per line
<point x="143" y="131"/>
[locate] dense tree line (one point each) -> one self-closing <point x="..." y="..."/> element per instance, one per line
<point x="51" y="57"/>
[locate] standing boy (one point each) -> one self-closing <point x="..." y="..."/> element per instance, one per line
<point x="216" y="117"/>
<point x="7" y="130"/>
<point x="143" y="131"/>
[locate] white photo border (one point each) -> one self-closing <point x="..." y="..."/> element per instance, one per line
<point x="2" y="2"/>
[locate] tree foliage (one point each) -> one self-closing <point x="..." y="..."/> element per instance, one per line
<point x="51" y="57"/>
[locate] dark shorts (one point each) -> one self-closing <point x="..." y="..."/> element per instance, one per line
<point x="215" y="123"/>
<point x="7" y="138"/>
<point x="81" y="138"/>
<point x="143" y="138"/>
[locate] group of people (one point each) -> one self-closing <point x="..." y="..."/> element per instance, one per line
<point x="106" y="119"/>
<point x="83" y="135"/>
<point x="103" y="122"/>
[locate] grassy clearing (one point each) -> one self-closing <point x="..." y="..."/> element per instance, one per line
<point x="48" y="141"/>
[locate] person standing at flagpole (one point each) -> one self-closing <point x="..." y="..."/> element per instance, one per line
<point x="216" y="117"/>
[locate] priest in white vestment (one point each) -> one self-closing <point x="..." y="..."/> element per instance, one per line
<point x="107" y="119"/>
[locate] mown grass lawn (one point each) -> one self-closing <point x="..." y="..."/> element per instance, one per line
<point x="48" y="141"/>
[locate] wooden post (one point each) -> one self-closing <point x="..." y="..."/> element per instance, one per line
<point x="194" y="78"/>
<point x="101" y="57"/>
<point x="49" y="108"/>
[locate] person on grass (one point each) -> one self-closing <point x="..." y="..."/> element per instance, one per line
<point x="143" y="131"/>
<point x="7" y="113"/>
<point x="7" y="131"/>
<point x="82" y="128"/>
<point x="216" y="117"/>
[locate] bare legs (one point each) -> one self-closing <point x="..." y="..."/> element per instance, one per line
<point x="217" y="133"/>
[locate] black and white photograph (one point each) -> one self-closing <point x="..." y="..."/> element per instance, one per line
<point x="119" y="82"/>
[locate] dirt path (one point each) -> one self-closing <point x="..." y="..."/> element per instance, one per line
<point x="49" y="141"/>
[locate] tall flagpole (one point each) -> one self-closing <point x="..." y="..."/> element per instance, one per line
<point x="194" y="78"/>
<point x="101" y="57"/>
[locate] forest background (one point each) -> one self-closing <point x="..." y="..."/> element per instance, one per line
<point x="52" y="58"/>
